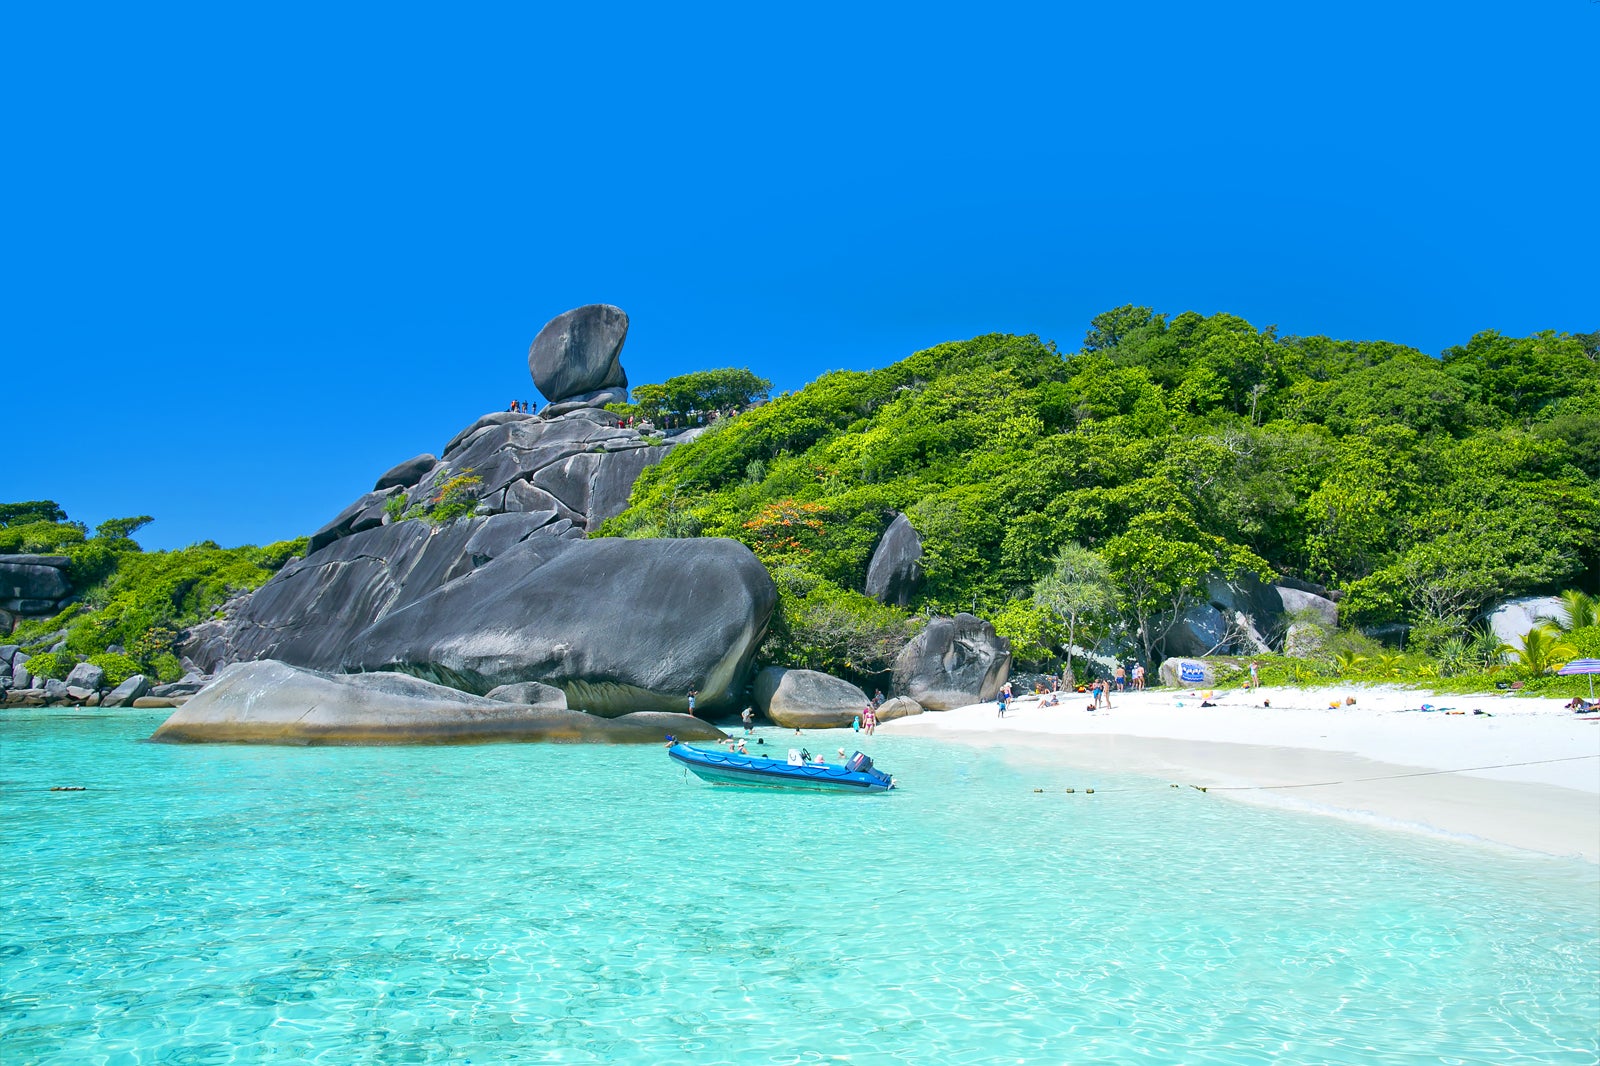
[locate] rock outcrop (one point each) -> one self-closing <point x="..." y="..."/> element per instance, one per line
<point x="618" y="625"/>
<point x="806" y="699"/>
<point x="32" y="586"/>
<point x="895" y="573"/>
<point x="578" y="352"/>
<point x="953" y="662"/>
<point x="311" y="610"/>
<point x="1245" y="616"/>
<point x="273" y="703"/>
<point x="406" y="474"/>
<point x="898" y="707"/>
<point x="1511" y="620"/>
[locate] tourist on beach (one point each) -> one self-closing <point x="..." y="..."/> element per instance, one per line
<point x="747" y="716"/>
<point x="1255" y="675"/>
<point x="869" y="719"/>
<point x="1122" y="678"/>
<point x="1138" y="677"/>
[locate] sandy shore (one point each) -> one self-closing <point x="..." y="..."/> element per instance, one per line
<point x="1525" y="773"/>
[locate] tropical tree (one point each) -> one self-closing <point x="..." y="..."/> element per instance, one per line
<point x="1582" y="610"/>
<point x="1160" y="565"/>
<point x="1542" y="650"/>
<point x="1077" y="591"/>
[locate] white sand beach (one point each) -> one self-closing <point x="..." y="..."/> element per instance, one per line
<point x="1524" y="774"/>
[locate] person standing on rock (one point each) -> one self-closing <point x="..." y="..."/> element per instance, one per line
<point x="692" y="694"/>
<point x="748" y="718"/>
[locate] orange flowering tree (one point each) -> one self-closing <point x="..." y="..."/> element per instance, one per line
<point x="785" y="528"/>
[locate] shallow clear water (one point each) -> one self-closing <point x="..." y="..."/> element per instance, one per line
<point x="553" y="904"/>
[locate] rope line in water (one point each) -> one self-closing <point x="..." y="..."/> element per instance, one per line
<point x="1349" y="781"/>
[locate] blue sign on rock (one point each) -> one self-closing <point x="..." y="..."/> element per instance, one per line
<point x="1191" y="672"/>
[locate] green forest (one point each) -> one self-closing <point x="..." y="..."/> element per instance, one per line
<point x="1079" y="497"/>
<point x="132" y="605"/>
<point x="1097" y="489"/>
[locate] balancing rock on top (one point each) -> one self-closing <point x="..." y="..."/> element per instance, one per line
<point x="578" y="352"/>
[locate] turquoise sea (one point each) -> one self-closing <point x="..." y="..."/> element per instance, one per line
<point x="554" y="904"/>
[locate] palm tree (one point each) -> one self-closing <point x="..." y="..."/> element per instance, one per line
<point x="1582" y="610"/>
<point x="1349" y="661"/>
<point x="1542" y="650"/>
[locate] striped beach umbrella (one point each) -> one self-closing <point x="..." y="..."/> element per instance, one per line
<point x="1582" y="666"/>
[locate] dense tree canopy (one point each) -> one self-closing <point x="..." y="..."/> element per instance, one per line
<point x="1422" y="487"/>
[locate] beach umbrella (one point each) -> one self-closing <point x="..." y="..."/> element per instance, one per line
<point x="1582" y="666"/>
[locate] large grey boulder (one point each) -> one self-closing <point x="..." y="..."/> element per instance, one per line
<point x="310" y="611"/>
<point x="1298" y="601"/>
<point x="898" y="707"/>
<point x="33" y="577"/>
<point x="86" y="676"/>
<point x="406" y="474"/>
<point x="619" y="625"/>
<point x="124" y="694"/>
<point x="953" y="662"/>
<point x="808" y="699"/>
<point x="1512" y="620"/>
<point x="578" y="352"/>
<point x="895" y="573"/>
<point x="273" y="703"/>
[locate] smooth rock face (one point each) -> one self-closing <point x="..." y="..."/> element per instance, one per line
<point x="953" y="662"/>
<point x="309" y="612"/>
<point x="1511" y="620"/>
<point x="597" y="398"/>
<point x="406" y="474"/>
<point x="1296" y="600"/>
<point x="895" y="573"/>
<point x="619" y="625"/>
<point x="272" y="703"/>
<point x="531" y="693"/>
<point x="899" y="707"/>
<point x="1186" y="673"/>
<point x="86" y="676"/>
<point x="578" y="352"/>
<point x="124" y="694"/>
<point x="806" y="699"/>
<point x="32" y="581"/>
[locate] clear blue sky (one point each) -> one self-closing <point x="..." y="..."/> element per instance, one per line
<point x="257" y="254"/>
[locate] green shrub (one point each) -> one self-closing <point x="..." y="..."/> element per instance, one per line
<point x="1586" y="640"/>
<point x="166" y="667"/>
<point x="52" y="664"/>
<point x="118" y="668"/>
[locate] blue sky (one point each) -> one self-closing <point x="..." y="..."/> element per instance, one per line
<point x="258" y="254"/>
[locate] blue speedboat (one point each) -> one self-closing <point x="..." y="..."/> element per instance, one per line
<point x="731" y="768"/>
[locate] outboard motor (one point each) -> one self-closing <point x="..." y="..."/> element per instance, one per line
<point x="859" y="763"/>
